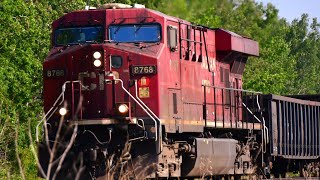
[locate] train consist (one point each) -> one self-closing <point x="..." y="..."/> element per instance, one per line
<point x="130" y="89"/>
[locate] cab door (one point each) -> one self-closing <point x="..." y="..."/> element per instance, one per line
<point x="173" y="78"/>
<point x="173" y="67"/>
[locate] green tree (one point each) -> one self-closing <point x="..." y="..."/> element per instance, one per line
<point x="304" y="44"/>
<point x="25" y="28"/>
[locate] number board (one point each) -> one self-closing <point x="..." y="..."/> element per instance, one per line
<point x="51" y="73"/>
<point x="142" y="70"/>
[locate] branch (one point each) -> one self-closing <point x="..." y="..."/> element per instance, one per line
<point x="46" y="135"/>
<point x="17" y="152"/>
<point x="54" y="148"/>
<point x="3" y="128"/>
<point x="80" y="170"/>
<point x="5" y="122"/>
<point x="73" y="138"/>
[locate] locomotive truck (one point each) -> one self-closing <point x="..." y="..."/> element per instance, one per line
<point x="130" y="89"/>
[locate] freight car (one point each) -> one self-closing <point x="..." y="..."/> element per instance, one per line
<point x="294" y="125"/>
<point x="131" y="91"/>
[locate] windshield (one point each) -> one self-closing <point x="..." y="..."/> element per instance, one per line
<point x="77" y="35"/>
<point x="135" y="33"/>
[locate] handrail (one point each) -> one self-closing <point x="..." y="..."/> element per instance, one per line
<point x="144" y="109"/>
<point x="264" y="129"/>
<point x="242" y="90"/>
<point x="136" y="89"/>
<point x="62" y="97"/>
<point x="266" y="132"/>
<point x="47" y="114"/>
<point x="63" y="89"/>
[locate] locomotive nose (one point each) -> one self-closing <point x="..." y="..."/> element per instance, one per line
<point x="97" y="69"/>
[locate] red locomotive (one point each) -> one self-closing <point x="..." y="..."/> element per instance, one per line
<point x="119" y="77"/>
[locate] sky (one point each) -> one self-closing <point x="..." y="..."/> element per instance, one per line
<point x="291" y="9"/>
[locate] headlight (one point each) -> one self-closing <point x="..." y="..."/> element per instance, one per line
<point x="97" y="55"/>
<point x="123" y="108"/>
<point x="97" y="63"/>
<point x="62" y="111"/>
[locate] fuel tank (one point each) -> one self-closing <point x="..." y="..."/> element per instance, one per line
<point x="214" y="156"/>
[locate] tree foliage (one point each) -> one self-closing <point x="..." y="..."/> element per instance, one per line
<point x="24" y="43"/>
<point x="288" y="62"/>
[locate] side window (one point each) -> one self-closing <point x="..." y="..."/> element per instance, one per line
<point x="116" y="61"/>
<point x="172" y="38"/>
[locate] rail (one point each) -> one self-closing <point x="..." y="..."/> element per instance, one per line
<point x="235" y="106"/>
<point x="55" y="105"/>
<point x="58" y="102"/>
<point x="144" y="108"/>
<point x="189" y="39"/>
